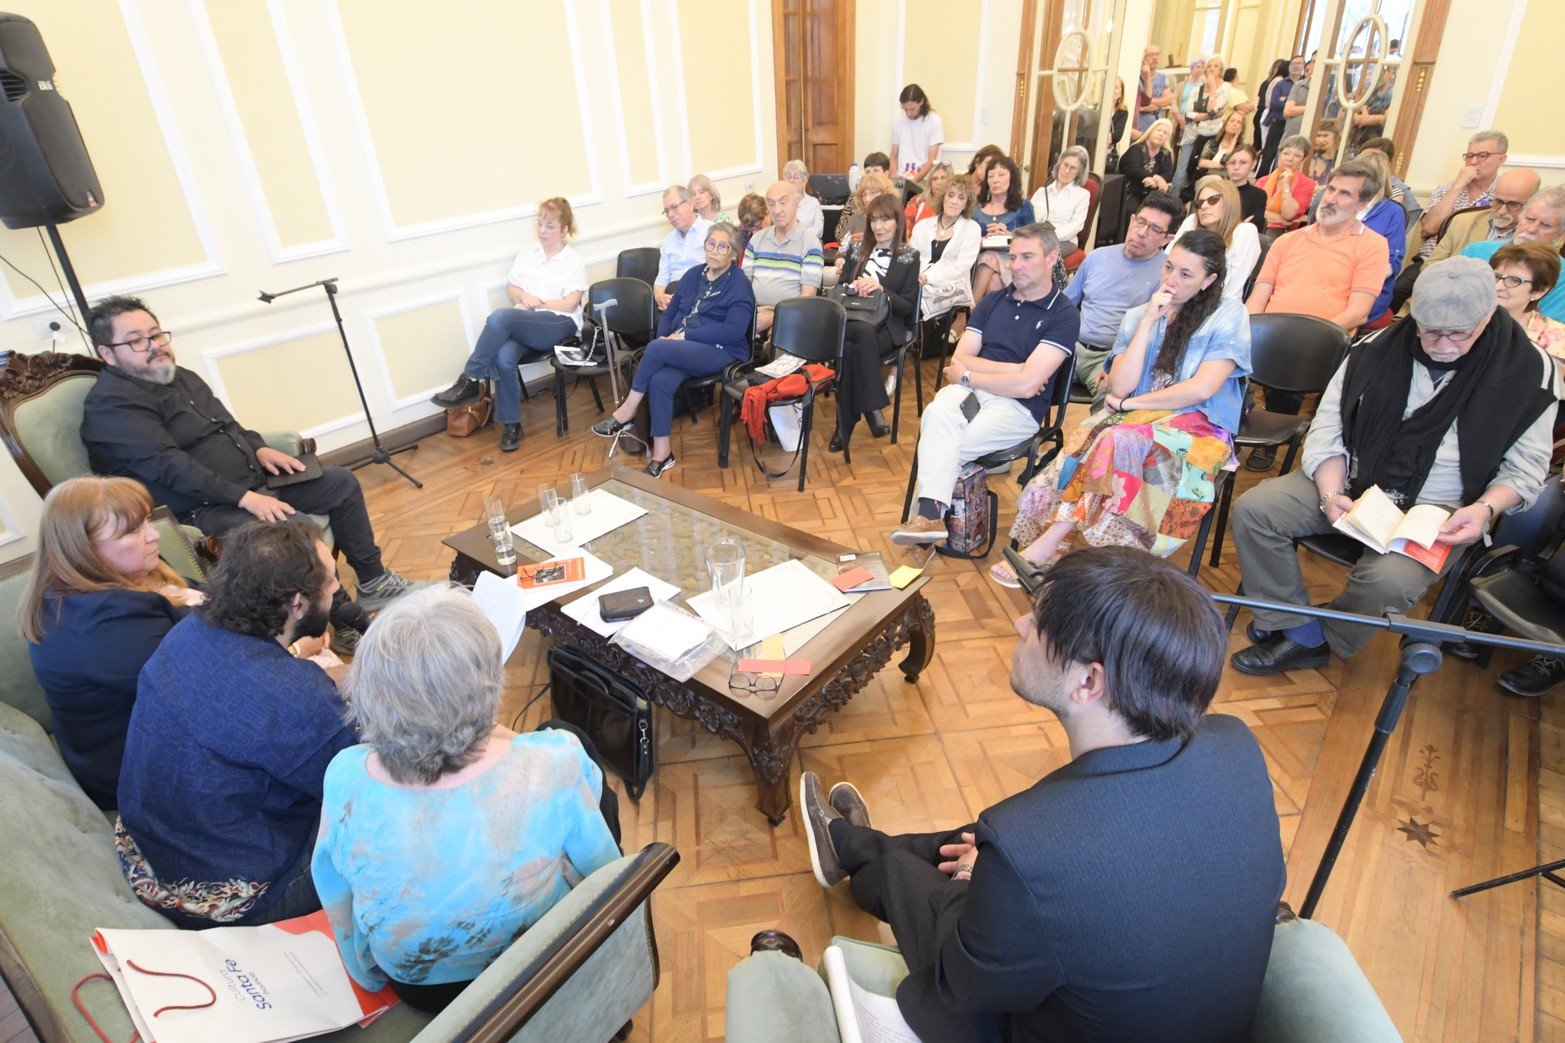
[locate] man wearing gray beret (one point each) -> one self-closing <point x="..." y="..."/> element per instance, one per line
<point x="1451" y="405"/>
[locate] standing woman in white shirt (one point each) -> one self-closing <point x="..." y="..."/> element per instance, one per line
<point x="546" y="287"/>
<point x="1063" y="201"/>
<point x="1217" y="208"/>
<point x="916" y="135"/>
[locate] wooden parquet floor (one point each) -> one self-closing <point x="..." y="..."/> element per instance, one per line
<point x="1457" y="798"/>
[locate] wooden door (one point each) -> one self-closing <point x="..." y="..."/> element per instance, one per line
<point x="812" y="47"/>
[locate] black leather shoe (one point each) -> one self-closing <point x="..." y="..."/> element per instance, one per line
<point x="1280" y="654"/>
<point x="1261" y="459"/>
<point x="776" y="941"/>
<point x="877" y="423"/>
<point x="1256" y="635"/>
<point x="465" y="390"/>
<point x="608" y="427"/>
<point x="1534" y="677"/>
<point x="835" y="445"/>
<point x="511" y="438"/>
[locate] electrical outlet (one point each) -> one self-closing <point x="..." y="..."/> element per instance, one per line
<point x="1471" y="117"/>
<point x="46" y="327"/>
<point x="985" y="115"/>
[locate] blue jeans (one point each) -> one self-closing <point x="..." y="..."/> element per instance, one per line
<point x="1181" y="177"/>
<point x="668" y="364"/>
<point x="511" y="334"/>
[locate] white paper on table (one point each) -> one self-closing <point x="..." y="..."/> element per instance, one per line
<point x="597" y="570"/>
<point x="797" y="637"/>
<point x="585" y="610"/>
<point x="666" y="632"/>
<point x="780" y="597"/>
<point x="503" y="604"/>
<point x="608" y="513"/>
<point x="863" y="1016"/>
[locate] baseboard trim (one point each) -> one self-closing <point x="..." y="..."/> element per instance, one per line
<point x="396" y="438"/>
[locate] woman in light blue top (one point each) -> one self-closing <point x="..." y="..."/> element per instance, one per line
<point x="1142" y="473"/>
<point x="444" y="836"/>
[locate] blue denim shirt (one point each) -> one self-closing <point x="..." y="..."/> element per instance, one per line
<point x="1224" y="335"/>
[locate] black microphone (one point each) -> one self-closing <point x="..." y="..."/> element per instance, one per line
<point x="267" y="298"/>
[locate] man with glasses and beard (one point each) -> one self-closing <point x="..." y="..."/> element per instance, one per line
<point x="220" y="789"/>
<point x="1451" y="405"/>
<point x="150" y="419"/>
<point x="1542" y="221"/>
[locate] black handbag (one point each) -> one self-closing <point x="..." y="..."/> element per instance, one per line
<point x="613" y="710"/>
<point x="873" y="309"/>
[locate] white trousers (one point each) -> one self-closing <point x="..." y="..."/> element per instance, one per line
<point x="947" y="439"/>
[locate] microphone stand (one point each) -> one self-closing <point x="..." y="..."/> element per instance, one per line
<point x="1420" y="650"/>
<point x="379" y="455"/>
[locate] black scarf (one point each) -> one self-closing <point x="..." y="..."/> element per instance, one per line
<point x="1494" y="394"/>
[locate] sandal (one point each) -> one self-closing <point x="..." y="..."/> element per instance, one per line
<point x="1022" y="574"/>
<point x="608" y="427"/>
<point x="1001" y="573"/>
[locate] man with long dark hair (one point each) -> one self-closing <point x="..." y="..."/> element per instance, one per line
<point x="220" y="789"/>
<point x="1128" y="894"/>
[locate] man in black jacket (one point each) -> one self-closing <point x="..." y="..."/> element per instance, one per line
<point x="149" y="419"/>
<point x="1127" y="895"/>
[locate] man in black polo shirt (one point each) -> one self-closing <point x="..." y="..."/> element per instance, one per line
<point x="998" y="382"/>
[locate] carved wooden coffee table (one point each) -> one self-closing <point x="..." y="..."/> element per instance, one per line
<point x="669" y="542"/>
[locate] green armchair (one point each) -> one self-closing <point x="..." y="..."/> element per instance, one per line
<point x="1313" y="991"/>
<point x="40" y="422"/>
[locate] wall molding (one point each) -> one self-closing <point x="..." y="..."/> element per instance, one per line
<point x="214" y="376"/>
<point x="757" y="165"/>
<point x="393" y="232"/>
<point x="1513" y="31"/>
<point x="979" y="67"/>
<point x="1537" y="161"/>
<point x="13" y="306"/>
<point x="249" y="171"/>
<point x="371" y="318"/>
<point x="611" y="67"/>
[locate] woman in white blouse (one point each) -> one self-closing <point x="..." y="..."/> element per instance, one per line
<point x="810" y="214"/>
<point x="1063" y="201"/>
<point x="947" y="246"/>
<point x="546" y="287"/>
<point x="1216" y="208"/>
<point x="916" y="135"/>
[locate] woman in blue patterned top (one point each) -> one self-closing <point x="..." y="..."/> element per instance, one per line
<point x="1142" y="473"/>
<point x="444" y="836"/>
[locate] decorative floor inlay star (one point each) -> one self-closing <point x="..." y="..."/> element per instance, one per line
<point x="1419" y="831"/>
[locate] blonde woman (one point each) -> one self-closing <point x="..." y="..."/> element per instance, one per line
<point x="947" y="246"/>
<point x="1217" y="208"/>
<point x="97" y="604"/>
<point x="927" y="202"/>
<point x="707" y="200"/>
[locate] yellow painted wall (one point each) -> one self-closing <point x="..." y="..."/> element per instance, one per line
<point x="423" y="347"/>
<point x="291" y="385"/>
<point x="1528" y="108"/>
<point x="636" y="100"/>
<point x="941" y="56"/>
<point x="718" y="89"/>
<point x="252" y="62"/>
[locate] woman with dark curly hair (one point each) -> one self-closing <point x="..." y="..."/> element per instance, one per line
<point x="1001" y="208"/>
<point x="1141" y="472"/>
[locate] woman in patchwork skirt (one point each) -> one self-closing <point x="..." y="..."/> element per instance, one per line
<point x="1142" y="472"/>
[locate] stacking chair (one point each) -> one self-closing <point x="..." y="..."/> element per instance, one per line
<point x="1073" y="260"/>
<point x="1042" y="446"/>
<point x="812" y="329"/>
<point x="1297" y="353"/>
<point x="897" y="355"/>
<point x="622" y="310"/>
<point x="640" y="262"/>
<point x="696" y="392"/>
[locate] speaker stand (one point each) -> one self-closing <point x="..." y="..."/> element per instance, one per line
<point x="70" y="271"/>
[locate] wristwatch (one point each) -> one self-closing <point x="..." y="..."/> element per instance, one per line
<point x="966" y="373"/>
<point x="1326" y="498"/>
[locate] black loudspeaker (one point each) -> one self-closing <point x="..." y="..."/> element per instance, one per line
<point x="46" y="176"/>
<point x="1111" y="207"/>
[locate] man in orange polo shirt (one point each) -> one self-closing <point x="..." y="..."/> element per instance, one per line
<point x="1333" y="269"/>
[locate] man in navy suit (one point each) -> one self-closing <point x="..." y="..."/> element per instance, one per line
<point x="1126" y="895"/>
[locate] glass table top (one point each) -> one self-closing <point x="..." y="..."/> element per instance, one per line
<point x="670" y="542"/>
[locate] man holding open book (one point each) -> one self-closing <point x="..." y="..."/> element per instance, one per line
<point x="1450" y="409"/>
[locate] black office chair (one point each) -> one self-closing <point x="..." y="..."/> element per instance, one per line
<point x="1042" y="446"/>
<point x="694" y="394"/>
<point x="639" y="262"/>
<point x="811" y="328"/>
<point x="1298" y="353"/>
<point x="897" y="355"/>
<point x="621" y="312"/>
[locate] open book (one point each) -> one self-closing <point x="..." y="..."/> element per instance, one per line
<point x="863" y="1016"/>
<point x="1377" y="522"/>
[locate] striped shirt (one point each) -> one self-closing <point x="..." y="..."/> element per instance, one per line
<point x="780" y="269"/>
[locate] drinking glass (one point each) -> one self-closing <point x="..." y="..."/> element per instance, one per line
<point x="499" y="531"/>
<point x="581" y="497"/>
<point x="558" y="515"/>
<point x="725" y="563"/>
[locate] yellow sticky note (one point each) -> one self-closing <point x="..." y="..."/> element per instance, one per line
<point x="905" y="575"/>
<point x="772" y="650"/>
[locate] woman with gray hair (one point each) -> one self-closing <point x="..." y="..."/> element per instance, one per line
<point x="810" y="214"/>
<point x="445" y="835"/>
<point x="1063" y="201"/>
<point x="707" y="200"/>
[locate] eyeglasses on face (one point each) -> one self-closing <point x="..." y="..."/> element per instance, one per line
<point x="668" y="211"/>
<point x="1513" y="205"/>
<point x="721" y="246"/>
<point x="1448" y="336"/>
<point x="1511" y="282"/>
<point x="1478" y="157"/>
<point x="1140" y="222"/>
<point x="141" y="345"/>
